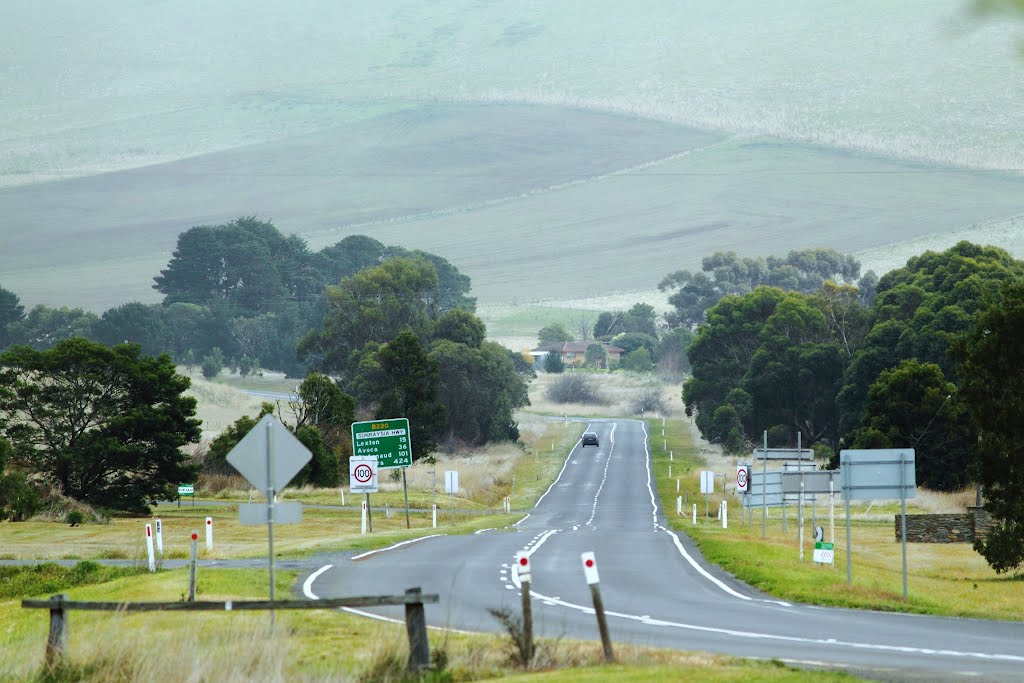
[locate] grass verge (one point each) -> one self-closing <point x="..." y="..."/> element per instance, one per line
<point x="943" y="579"/>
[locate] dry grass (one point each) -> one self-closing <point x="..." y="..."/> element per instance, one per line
<point x="218" y="405"/>
<point x="620" y="389"/>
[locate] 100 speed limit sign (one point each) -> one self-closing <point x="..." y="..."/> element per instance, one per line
<point x="362" y="474"/>
<point x="742" y="478"/>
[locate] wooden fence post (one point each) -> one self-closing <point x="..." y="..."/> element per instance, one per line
<point x="416" y="628"/>
<point x="57" y="641"/>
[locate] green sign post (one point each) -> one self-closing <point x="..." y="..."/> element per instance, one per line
<point x="391" y="441"/>
<point x="187" y="490"/>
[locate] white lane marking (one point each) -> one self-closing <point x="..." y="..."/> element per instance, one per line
<point x="523" y="519"/>
<point x="789" y="639"/>
<point x="307" y="585"/>
<point x="593" y="509"/>
<point x="483" y="530"/>
<point x="529" y="552"/>
<point x="397" y="545"/>
<point x="564" y="465"/>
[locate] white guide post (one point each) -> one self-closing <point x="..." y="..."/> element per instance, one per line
<point x="149" y="547"/>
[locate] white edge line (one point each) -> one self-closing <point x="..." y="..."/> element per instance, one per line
<point x="564" y="465"/>
<point x="371" y="615"/>
<point x="397" y="545"/>
<point x="307" y="585"/>
<point x="679" y="545"/>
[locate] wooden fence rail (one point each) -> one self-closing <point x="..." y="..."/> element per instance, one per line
<point x="414" y="599"/>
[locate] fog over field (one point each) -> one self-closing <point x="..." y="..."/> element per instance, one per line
<point x="551" y="150"/>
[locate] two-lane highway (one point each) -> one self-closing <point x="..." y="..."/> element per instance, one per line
<point x="657" y="590"/>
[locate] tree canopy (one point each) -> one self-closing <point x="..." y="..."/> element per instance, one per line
<point x="991" y="373"/>
<point x="102" y="425"/>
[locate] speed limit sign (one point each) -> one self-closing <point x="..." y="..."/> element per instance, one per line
<point x="742" y="478"/>
<point x="362" y="474"/>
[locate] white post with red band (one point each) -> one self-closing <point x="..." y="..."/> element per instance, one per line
<point x="149" y="547"/>
<point x="159" y="537"/>
<point x="590" y="573"/>
<point x="209" y="533"/>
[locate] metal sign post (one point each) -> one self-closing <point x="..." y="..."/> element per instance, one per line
<point x="873" y="474"/>
<point x="282" y="457"/>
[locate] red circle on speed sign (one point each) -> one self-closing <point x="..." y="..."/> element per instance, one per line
<point x="363" y="473"/>
<point x="741" y="477"/>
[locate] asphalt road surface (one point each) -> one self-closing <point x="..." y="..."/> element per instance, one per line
<point x="656" y="588"/>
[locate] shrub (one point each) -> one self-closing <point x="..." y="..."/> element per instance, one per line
<point x="19" y="500"/>
<point x="213" y="363"/>
<point x="575" y="388"/>
<point x="649" y="400"/>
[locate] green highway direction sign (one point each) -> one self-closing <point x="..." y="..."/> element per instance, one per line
<point x="389" y="440"/>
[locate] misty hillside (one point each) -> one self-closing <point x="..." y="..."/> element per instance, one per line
<point x="549" y="150"/>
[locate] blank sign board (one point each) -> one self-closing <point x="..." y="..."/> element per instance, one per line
<point x="877" y="473"/>
<point x="764" y="485"/>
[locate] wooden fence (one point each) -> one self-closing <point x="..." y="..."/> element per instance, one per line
<point x="414" y="599"/>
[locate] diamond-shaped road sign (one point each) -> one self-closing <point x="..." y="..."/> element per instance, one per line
<point x="249" y="456"/>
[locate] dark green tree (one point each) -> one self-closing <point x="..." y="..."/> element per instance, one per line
<point x="461" y="327"/>
<point x="242" y="263"/>
<point x="553" y="362"/>
<point x="919" y="312"/>
<point x="553" y="332"/>
<point x="480" y="391"/>
<point x="374" y="305"/>
<point x="638" y="361"/>
<point x="44" y="327"/>
<point x="213" y="363"/>
<point x="407" y="386"/>
<point x="102" y="425"/>
<point x="991" y="372"/>
<point x="11" y="311"/>
<point x="913" y="406"/>
<point x="595" y="356"/>
<point x="133" y="323"/>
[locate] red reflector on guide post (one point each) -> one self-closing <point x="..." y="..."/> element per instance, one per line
<point x="523" y="561"/>
<point x="195" y="537"/>
<point x="590" y="567"/>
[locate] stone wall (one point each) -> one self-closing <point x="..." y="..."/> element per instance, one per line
<point x="957" y="528"/>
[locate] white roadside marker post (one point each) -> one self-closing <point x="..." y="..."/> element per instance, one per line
<point x="725" y="514"/>
<point x="149" y="547"/>
<point x="193" y="561"/>
<point x="523" y="571"/>
<point x="362" y="525"/>
<point x="343" y="496"/>
<point x="159" y="537"/>
<point x="695" y="514"/>
<point x="433" y="517"/>
<point x="679" y="505"/>
<point x="590" y="572"/>
<point x="209" y="533"/>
